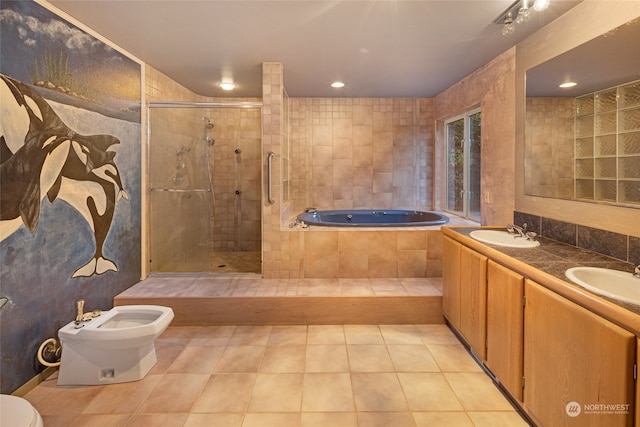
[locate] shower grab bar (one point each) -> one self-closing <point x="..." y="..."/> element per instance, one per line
<point x="270" y="178"/>
<point x="180" y="190"/>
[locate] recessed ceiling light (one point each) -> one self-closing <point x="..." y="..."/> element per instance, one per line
<point x="337" y="84"/>
<point x="568" y="84"/>
<point x="227" y="86"/>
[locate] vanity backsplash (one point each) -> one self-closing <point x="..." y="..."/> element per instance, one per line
<point x="620" y="246"/>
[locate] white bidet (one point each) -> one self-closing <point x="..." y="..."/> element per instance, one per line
<point x="118" y="346"/>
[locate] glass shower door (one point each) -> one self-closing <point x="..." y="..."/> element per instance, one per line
<point x="180" y="197"/>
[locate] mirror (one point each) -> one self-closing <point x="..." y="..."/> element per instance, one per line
<point x="583" y="143"/>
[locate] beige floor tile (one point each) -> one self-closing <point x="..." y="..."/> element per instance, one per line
<point x="288" y="335"/>
<point x="43" y="389"/>
<point x="329" y="419"/>
<point x="271" y="420"/>
<point x="174" y="393"/>
<point x="103" y="420"/>
<point x="476" y="392"/>
<point x="212" y="335"/>
<point x="123" y="398"/>
<point x="241" y="359"/>
<point x="225" y="393"/>
<point x="284" y="358"/>
<point x="428" y="392"/>
<point x="369" y="358"/>
<point x="325" y="334"/>
<point x="385" y="419"/>
<point x="276" y="393"/>
<point x="400" y="334"/>
<point x="442" y="419"/>
<point x="67" y="400"/>
<point x="250" y="335"/>
<point x="214" y="420"/>
<point x="436" y="334"/>
<point x="497" y="419"/>
<point x="196" y="360"/>
<point x="453" y="358"/>
<point x="378" y="392"/>
<point x="166" y="354"/>
<point x="412" y="358"/>
<point x="330" y="392"/>
<point x="326" y="358"/>
<point x="157" y="420"/>
<point x="363" y="334"/>
<point x="58" y="420"/>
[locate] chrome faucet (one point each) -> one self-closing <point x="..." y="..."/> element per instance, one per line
<point x="81" y="316"/>
<point x="521" y="231"/>
<point x="636" y="272"/>
<point x="512" y="228"/>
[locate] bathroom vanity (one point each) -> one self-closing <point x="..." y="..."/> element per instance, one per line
<point x="565" y="355"/>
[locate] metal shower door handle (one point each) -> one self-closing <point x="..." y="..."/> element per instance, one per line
<point x="270" y="178"/>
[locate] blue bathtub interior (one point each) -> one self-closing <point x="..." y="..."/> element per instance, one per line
<point x="372" y="218"/>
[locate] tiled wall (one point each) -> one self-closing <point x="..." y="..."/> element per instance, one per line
<point x="348" y="153"/>
<point x="549" y="147"/>
<point x="361" y="153"/>
<point x="616" y="245"/>
<point x="492" y="87"/>
<point x="236" y="219"/>
<point x="369" y="254"/>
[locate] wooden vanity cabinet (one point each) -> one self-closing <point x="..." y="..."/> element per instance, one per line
<point x="473" y="300"/>
<point x="464" y="293"/>
<point x="574" y="355"/>
<point x="505" y="318"/>
<point x="451" y="281"/>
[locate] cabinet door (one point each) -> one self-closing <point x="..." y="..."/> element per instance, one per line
<point x="575" y="359"/>
<point x="451" y="281"/>
<point x="473" y="299"/>
<point x="505" y="318"/>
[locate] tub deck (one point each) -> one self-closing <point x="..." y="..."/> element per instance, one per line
<point x="248" y="299"/>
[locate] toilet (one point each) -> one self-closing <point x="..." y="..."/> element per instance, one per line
<point x="18" y="412"/>
<point x="117" y="346"/>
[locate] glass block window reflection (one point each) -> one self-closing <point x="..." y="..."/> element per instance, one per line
<point x="607" y="145"/>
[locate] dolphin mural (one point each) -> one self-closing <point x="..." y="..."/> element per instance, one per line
<point x="40" y="155"/>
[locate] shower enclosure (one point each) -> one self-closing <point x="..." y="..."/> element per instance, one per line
<point x="204" y="187"/>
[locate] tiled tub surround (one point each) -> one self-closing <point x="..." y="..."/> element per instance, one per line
<point x="368" y="252"/>
<point x="622" y="247"/>
<point x="546" y="265"/>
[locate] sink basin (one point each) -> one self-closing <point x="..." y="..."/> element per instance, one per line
<point x="502" y="238"/>
<point x="615" y="284"/>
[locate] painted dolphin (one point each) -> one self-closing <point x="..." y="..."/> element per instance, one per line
<point x="40" y="154"/>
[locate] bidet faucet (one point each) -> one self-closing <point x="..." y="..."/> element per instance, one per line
<point x="81" y="316"/>
<point x="636" y="272"/>
<point x="79" y="311"/>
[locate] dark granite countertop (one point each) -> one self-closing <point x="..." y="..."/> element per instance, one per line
<point x="554" y="258"/>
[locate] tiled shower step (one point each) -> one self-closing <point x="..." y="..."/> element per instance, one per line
<point x="296" y="310"/>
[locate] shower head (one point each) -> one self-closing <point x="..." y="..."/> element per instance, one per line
<point x="207" y="122"/>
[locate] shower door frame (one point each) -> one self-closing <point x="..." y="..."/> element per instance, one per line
<point x="146" y="223"/>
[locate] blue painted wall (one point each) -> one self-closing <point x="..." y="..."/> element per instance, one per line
<point x="36" y="268"/>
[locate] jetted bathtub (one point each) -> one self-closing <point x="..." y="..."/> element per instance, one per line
<point x="372" y="218"/>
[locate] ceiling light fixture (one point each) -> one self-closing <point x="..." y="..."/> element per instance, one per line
<point x="227" y="85"/>
<point x="519" y="12"/>
<point x="337" y="85"/>
<point x="568" y="84"/>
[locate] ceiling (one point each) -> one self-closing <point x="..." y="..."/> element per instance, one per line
<point x="379" y="48"/>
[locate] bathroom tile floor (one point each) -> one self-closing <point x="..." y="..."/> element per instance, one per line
<point x="288" y="376"/>
<point x="247" y="284"/>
